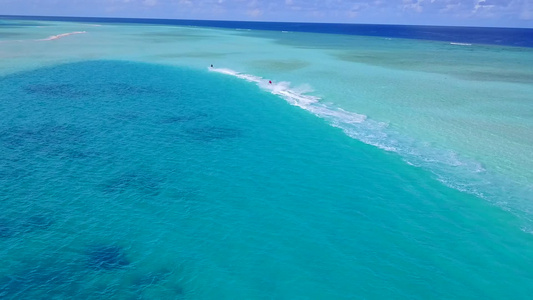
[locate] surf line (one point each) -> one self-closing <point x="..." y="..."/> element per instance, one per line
<point x="366" y="130"/>
<point x="440" y="161"/>
<point x="449" y="167"/>
<point x="56" y="37"/>
<point x="297" y="97"/>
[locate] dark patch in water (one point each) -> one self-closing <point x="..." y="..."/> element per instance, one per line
<point x="182" y="118"/>
<point x="75" y="154"/>
<point x="126" y="117"/>
<point x="37" y="222"/>
<point x="136" y="181"/>
<point x="41" y="280"/>
<point x="152" y="278"/>
<point x="13" y="168"/>
<point x="76" y="91"/>
<point x="122" y="89"/>
<point x="28" y="283"/>
<point x="51" y="140"/>
<point x="11" y="228"/>
<point x="42" y="136"/>
<point x="10" y="34"/>
<point x="7" y="229"/>
<point x="57" y="90"/>
<point x="17" y="137"/>
<point x="178" y="290"/>
<point x="107" y="258"/>
<point x="4" y="23"/>
<point x="212" y="133"/>
<point x="160" y="278"/>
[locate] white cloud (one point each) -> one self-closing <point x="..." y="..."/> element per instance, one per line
<point x="480" y="5"/>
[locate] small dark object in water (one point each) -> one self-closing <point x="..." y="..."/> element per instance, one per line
<point x="107" y="258"/>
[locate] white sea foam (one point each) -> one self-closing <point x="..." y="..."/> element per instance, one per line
<point x="450" y="168"/>
<point x="62" y="35"/>
<point x="461" y="44"/>
<point x="298" y="97"/>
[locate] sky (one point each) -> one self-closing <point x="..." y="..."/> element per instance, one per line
<point x="493" y="13"/>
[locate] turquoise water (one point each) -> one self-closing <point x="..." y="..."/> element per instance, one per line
<point x="136" y="173"/>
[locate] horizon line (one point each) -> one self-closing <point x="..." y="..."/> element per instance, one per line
<point x="257" y="21"/>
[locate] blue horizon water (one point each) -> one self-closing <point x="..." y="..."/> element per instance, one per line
<point x="504" y="36"/>
<point x="130" y="170"/>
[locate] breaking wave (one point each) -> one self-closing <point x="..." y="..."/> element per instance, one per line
<point x="448" y="167"/>
<point x="297" y="97"/>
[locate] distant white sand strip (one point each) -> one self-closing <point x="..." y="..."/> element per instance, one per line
<point x="56" y="37"/>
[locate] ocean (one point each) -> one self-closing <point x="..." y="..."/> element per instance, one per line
<point x="311" y="161"/>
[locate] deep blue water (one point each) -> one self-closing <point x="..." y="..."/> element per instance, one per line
<point x="518" y="37"/>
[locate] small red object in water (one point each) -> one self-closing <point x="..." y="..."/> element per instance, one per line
<point x="270" y="81"/>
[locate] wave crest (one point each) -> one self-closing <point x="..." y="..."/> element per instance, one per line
<point x="298" y="97"/>
<point x="449" y="167"/>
